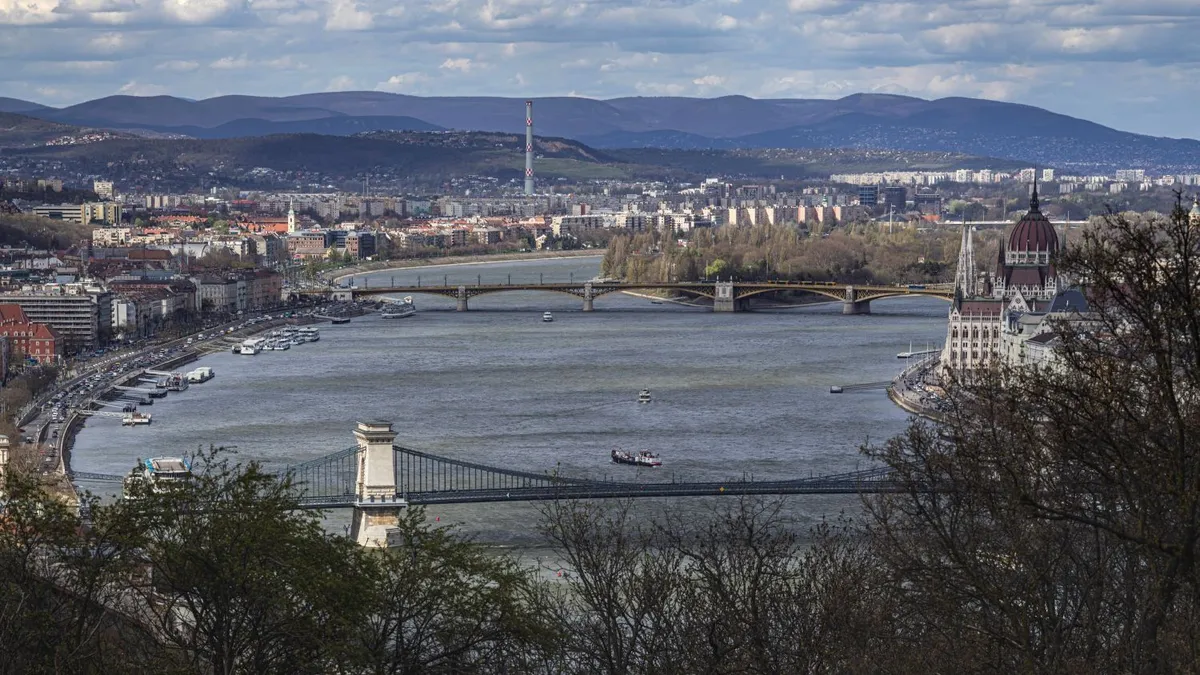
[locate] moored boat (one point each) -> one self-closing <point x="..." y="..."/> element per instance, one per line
<point x="547" y="317"/>
<point x="644" y="396"/>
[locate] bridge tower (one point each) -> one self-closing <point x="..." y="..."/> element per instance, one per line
<point x="377" y="504"/>
<point x="724" y="299"/>
<point x="588" y="297"/>
<point x="851" y="306"/>
<point x="462" y="298"/>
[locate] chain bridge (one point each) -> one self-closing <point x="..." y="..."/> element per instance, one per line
<point x="727" y="296"/>
<point x="377" y="478"/>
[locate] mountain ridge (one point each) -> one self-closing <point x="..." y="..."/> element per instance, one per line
<point x="971" y="126"/>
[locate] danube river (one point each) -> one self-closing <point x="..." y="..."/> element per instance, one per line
<point x="740" y="393"/>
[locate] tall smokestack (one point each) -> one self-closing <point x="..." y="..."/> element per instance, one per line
<point x="529" y="148"/>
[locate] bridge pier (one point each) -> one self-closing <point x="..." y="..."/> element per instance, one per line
<point x="860" y="307"/>
<point x="724" y="299"/>
<point x="342" y="296"/>
<point x="377" y="504"/>
<point x="462" y="298"/>
<point x="852" y="305"/>
<point x="588" y="297"/>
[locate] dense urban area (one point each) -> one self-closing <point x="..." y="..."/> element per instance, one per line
<point x="1037" y="514"/>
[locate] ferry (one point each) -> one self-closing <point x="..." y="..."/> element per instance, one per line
<point x="177" y="382"/>
<point x="252" y="346"/>
<point x="200" y="375"/>
<point x="135" y="418"/>
<point x="399" y="310"/>
<point x="310" y="334"/>
<point x="159" y="473"/>
<point x="643" y="458"/>
<point x="237" y="348"/>
<point x="644" y="396"/>
<point x="338" y="320"/>
<point x="547" y="317"/>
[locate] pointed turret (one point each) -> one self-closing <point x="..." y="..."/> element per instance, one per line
<point x="1034" y="206"/>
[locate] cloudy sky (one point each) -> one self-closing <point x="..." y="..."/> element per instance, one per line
<point x="1131" y="64"/>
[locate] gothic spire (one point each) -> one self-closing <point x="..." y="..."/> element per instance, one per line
<point x="1033" y="199"/>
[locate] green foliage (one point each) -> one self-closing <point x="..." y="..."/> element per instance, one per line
<point x="29" y="230"/>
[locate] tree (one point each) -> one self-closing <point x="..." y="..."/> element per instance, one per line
<point x="439" y="603"/>
<point x="1053" y="525"/>
<point x="239" y="578"/>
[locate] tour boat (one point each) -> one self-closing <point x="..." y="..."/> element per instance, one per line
<point x="201" y="374"/>
<point x="338" y="320"/>
<point x="399" y="310"/>
<point x="135" y="418"/>
<point x="252" y="346"/>
<point x="159" y="472"/>
<point x="644" y="396"/>
<point x="547" y="317"/>
<point x="237" y="348"/>
<point x="643" y="458"/>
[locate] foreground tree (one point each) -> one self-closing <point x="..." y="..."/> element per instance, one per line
<point x="1054" y="525"/>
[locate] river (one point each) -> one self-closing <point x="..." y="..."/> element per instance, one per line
<point x="739" y="393"/>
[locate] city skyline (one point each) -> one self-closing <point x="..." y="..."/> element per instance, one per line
<point x="1126" y="67"/>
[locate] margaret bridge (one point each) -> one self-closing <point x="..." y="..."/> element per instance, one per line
<point x="726" y="296"/>
<point x="377" y="478"/>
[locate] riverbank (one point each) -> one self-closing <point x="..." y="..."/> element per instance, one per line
<point x="76" y="422"/>
<point x="452" y="261"/>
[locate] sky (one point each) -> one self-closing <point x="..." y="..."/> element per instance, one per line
<point x="1129" y="64"/>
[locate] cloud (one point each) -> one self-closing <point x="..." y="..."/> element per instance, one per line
<point x="230" y="63"/>
<point x="462" y="65"/>
<point x="1062" y="54"/>
<point x="401" y="83"/>
<point x="135" y="88"/>
<point x="178" y="66"/>
<point x="348" y="15"/>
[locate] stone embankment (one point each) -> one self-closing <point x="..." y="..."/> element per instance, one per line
<point x="913" y="388"/>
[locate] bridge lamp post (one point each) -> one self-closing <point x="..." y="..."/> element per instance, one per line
<point x="572" y="277"/>
<point x="478" y="279"/>
<point x="445" y="279"/>
<point x="540" y="282"/>
<point x="510" y="278"/>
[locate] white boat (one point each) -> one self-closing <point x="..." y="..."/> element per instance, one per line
<point x="252" y="346"/>
<point x="237" y="348"/>
<point x="399" y="310"/>
<point x="547" y="317"/>
<point x="158" y="473"/>
<point x="201" y="374"/>
<point x="135" y="418"/>
<point x="644" y="396"/>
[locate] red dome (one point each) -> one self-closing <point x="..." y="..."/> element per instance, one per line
<point x="1033" y="233"/>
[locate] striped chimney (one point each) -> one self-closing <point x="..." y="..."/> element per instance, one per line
<point x="528" y="148"/>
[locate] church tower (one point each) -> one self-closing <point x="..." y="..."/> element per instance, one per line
<point x="291" y="218"/>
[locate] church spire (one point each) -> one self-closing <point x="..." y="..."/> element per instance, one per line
<point x="1034" y="206"/>
<point x="964" y="276"/>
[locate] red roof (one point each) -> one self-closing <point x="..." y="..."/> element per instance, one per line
<point x="10" y="314"/>
<point x="1034" y="231"/>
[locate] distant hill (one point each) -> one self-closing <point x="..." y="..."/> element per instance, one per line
<point x="431" y="158"/>
<point x="22" y="131"/>
<point x="879" y="121"/>
<point x="16" y="105"/>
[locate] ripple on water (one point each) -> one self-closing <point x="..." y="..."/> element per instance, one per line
<point x="733" y="394"/>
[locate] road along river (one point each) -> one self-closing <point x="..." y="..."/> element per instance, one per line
<point x="740" y="393"/>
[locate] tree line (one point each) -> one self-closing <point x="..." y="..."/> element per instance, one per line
<point x="1050" y="524"/>
<point x="856" y="254"/>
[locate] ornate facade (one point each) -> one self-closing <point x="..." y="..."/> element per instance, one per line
<point x="1024" y="280"/>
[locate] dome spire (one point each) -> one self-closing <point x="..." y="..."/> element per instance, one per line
<point x="1033" y="199"/>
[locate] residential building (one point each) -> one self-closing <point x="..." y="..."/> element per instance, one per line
<point x="26" y="339"/>
<point x="80" y="313"/>
<point x="103" y="189"/>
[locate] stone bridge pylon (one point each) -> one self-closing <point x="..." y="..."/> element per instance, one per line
<point x="377" y="502"/>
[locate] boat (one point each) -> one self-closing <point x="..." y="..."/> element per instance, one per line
<point x="835" y="389"/>
<point x="237" y="348"/>
<point x="338" y="320"/>
<point x="643" y="458"/>
<point x="547" y="317"/>
<point x="399" y="310"/>
<point x="135" y="418"/>
<point x="201" y="374"/>
<point x="644" y="396"/>
<point x="656" y="302"/>
<point x="252" y="346"/>
<point x="177" y="382"/>
<point x="309" y="334"/>
<point x="158" y="472"/>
